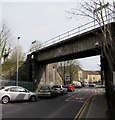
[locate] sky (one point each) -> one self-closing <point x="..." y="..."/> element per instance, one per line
<point x="41" y="20"/>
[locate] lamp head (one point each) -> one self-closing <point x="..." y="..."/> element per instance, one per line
<point x="18" y="37"/>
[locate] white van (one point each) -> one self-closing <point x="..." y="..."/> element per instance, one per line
<point x="77" y="84"/>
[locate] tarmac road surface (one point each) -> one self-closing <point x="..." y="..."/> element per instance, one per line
<point x="62" y="106"/>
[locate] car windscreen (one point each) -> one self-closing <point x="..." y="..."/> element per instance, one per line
<point x="45" y="88"/>
<point x="57" y="86"/>
<point x="67" y="85"/>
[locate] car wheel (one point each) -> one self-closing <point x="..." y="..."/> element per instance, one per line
<point x="5" y="99"/>
<point x="32" y="98"/>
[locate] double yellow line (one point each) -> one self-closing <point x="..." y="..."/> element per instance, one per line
<point x="83" y="108"/>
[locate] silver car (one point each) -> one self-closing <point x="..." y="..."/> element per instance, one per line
<point x="47" y="91"/>
<point x="16" y="93"/>
<point x="60" y="89"/>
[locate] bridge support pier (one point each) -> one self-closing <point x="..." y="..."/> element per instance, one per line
<point x="38" y="70"/>
<point x="109" y="73"/>
<point x="109" y="86"/>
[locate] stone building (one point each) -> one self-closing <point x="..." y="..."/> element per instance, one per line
<point x="51" y="76"/>
<point x="89" y="76"/>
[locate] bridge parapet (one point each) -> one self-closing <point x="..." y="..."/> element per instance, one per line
<point x="80" y="46"/>
<point x="74" y="32"/>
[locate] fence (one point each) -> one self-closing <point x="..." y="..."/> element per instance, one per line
<point x="27" y="85"/>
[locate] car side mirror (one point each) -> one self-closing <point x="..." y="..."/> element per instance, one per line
<point x="27" y="91"/>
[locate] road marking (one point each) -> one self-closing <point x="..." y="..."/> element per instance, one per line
<point x="76" y="99"/>
<point x="69" y="98"/>
<point x="81" y="111"/>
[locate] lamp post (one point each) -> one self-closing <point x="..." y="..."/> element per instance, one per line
<point x="17" y="59"/>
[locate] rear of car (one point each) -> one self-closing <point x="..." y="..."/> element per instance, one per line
<point x="47" y="91"/>
<point x="57" y="88"/>
<point x="64" y="90"/>
<point x="60" y="89"/>
<point x="69" y="87"/>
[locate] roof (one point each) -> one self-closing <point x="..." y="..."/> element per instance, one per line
<point x="92" y="72"/>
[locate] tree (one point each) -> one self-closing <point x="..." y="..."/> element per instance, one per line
<point x="13" y="56"/>
<point x="70" y="67"/>
<point x="102" y="13"/>
<point x="61" y="70"/>
<point x="5" y="46"/>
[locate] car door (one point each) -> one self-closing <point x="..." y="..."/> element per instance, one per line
<point x="23" y="94"/>
<point x="13" y="93"/>
<point x="18" y="93"/>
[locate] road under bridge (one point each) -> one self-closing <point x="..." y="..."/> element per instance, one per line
<point x="82" y="45"/>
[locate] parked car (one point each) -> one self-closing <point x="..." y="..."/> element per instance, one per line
<point x="60" y="89"/>
<point x="85" y="84"/>
<point x="100" y="86"/>
<point x="16" y="93"/>
<point x="77" y="85"/>
<point x="47" y="91"/>
<point x="69" y="87"/>
<point x="92" y="85"/>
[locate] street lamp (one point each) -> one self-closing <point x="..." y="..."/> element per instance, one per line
<point x="17" y="59"/>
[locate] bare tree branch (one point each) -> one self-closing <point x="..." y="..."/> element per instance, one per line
<point x="4" y="42"/>
<point x="99" y="11"/>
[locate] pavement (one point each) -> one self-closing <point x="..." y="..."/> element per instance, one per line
<point x="96" y="107"/>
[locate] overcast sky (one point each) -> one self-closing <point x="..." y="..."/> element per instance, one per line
<point x="41" y="21"/>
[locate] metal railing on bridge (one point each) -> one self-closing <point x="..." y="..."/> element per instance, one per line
<point x="74" y="32"/>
